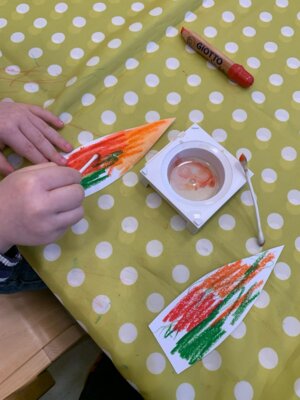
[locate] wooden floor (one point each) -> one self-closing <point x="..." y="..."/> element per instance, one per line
<point x="70" y="371"/>
<point x="45" y="354"/>
<point x="34" y="390"/>
<point x="65" y="377"/>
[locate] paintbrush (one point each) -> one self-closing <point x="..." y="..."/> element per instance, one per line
<point x="260" y="237"/>
<point x="91" y="160"/>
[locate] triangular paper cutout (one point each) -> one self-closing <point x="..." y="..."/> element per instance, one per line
<point x="205" y="314"/>
<point x="117" y="153"/>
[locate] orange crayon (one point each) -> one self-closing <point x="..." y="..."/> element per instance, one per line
<point x="235" y="72"/>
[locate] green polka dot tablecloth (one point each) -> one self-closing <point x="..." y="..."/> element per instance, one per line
<point x="116" y="64"/>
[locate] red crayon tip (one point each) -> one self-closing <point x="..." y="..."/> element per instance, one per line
<point x="242" y="158"/>
<point x="238" y="74"/>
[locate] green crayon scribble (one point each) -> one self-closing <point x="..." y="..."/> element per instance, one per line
<point x="253" y="266"/>
<point x="239" y="311"/>
<point x="94" y="178"/>
<point x="98" y="176"/>
<point x="195" y="344"/>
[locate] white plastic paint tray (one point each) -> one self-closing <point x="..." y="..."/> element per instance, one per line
<point x="195" y="174"/>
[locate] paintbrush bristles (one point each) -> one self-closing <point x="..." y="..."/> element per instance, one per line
<point x="243" y="161"/>
<point x="260" y="237"/>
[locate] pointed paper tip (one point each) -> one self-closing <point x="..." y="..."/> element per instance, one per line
<point x="172" y="119"/>
<point x="279" y="248"/>
<point x="276" y="250"/>
<point x="168" y="121"/>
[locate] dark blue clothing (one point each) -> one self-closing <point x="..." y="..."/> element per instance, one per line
<point x="16" y="275"/>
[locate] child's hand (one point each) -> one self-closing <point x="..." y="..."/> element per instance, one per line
<point x="31" y="132"/>
<point x="38" y="204"/>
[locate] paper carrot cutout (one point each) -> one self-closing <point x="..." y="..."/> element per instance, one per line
<point x="205" y="314"/>
<point x="117" y="154"/>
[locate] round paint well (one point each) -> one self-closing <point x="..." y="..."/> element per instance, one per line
<point x="196" y="174"/>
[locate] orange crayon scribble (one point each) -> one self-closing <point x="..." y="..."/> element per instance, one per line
<point x="203" y="299"/>
<point x="103" y="148"/>
<point x="225" y="279"/>
<point x="131" y="145"/>
<point x="238" y="302"/>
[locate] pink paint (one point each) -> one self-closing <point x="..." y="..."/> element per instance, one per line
<point x="194" y="179"/>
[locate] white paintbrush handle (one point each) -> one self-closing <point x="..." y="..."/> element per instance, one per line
<point x="91" y="160"/>
<point x="261" y="239"/>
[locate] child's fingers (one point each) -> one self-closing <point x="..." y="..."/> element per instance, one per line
<point x="41" y="145"/>
<point x="46" y="115"/>
<point x="36" y="167"/>
<point x="23" y="146"/>
<point x="51" y="134"/>
<point x="5" y="167"/>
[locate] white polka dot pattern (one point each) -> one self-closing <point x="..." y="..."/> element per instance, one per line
<point x="102" y="66"/>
